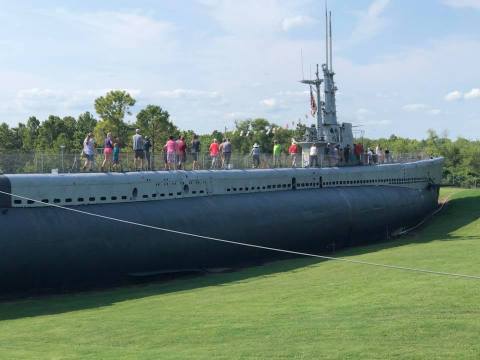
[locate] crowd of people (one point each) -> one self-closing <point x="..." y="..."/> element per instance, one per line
<point x="175" y="152"/>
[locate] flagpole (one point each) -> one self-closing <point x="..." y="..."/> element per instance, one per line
<point x="317" y="82"/>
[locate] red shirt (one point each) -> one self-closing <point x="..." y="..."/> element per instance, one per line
<point x="181" y="146"/>
<point x="213" y="149"/>
<point x="293" y="149"/>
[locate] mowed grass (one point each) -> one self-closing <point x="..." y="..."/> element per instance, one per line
<point x="296" y="309"/>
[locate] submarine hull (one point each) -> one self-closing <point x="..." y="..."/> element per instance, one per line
<point x="50" y="247"/>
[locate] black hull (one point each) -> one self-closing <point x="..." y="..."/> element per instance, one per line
<point x="50" y="247"/>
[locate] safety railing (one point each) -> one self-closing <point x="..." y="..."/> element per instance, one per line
<point x="39" y="162"/>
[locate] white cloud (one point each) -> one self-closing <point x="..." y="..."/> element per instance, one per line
<point x="423" y="108"/>
<point x="297" y="21"/>
<point x="235" y="115"/>
<point x="59" y="100"/>
<point x="472" y="94"/>
<point x="453" y="96"/>
<point x="289" y="93"/>
<point x="376" y="122"/>
<point x="415" y="107"/>
<point x="127" y="30"/>
<point x="463" y="3"/>
<point x="371" y="21"/>
<point x="269" y="103"/>
<point x="186" y="93"/>
<point x="249" y="16"/>
<point x="363" y="114"/>
<point x="434" y="112"/>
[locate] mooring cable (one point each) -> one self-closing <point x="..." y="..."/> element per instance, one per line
<point x="361" y="262"/>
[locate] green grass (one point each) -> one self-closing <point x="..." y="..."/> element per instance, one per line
<point x="296" y="309"/>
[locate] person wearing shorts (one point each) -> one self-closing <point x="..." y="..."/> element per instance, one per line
<point x="171" y="147"/>
<point x="147" y="145"/>
<point x="88" y="151"/>
<point x="181" y="152"/>
<point x="227" y="153"/>
<point x="116" y="154"/>
<point x="195" y="146"/>
<point x="138" y="149"/>
<point x="214" y="150"/>
<point x="107" y="152"/>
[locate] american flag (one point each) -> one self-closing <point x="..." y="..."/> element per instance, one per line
<point x="313" y="104"/>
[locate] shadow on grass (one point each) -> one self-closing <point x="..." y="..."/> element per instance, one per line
<point x="458" y="213"/>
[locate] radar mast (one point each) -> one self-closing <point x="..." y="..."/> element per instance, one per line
<point x="330" y="108"/>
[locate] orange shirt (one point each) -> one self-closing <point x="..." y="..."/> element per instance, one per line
<point x="213" y="149"/>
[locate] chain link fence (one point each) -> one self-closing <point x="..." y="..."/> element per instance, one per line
<point x="40" y="162"/>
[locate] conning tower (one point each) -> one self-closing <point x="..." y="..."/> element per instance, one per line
<point x="327" y="130"/>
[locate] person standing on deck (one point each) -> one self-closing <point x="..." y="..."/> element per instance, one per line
<point x="255" y="155"/>
<point x="380" y="156"/>
<point x="88" y="151"/>
<point x="181" y="152"/>
<point x="107" y="152"/>
<point x="387" y="156"/>
<point x="328" y="154"/>
<point x="171" y="148"/>
<point x="277" y="152"/>
<point x="116" y="154"/>
<point x="214" y="149"/>
<point x="370" y="157"/>
<point x="195" y="146"/>
<point x="313" y="156"/>
<point x="138" y="149"/>
<point x="293" y="150"/>
<point x="227" y="153"/>
<point x="146" y="148"/>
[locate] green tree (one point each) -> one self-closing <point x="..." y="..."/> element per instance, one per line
<point x="31" y="134"/>
<point x="85" y="123"/>
<point x="154" y="122"/>
<point x="112" y="109"/>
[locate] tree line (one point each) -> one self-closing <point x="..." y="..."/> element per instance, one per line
<point x="462" y="156"/>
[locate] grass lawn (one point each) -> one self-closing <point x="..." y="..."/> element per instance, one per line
<point x="296" y="309"/>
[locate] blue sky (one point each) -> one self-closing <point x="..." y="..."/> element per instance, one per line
<point x="403" y="66"/>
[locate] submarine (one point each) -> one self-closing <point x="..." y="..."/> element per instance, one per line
<point x="312" y="209"/>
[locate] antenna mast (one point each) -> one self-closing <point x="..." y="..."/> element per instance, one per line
<point x="330" y="35"/>
<point x="330" y="111"/>
<point x="301" y="60"/>
<point x="326" y="36"/>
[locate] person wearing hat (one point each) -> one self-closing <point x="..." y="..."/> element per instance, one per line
<point x="293" y="150"/>
<point x="255" y="155"/>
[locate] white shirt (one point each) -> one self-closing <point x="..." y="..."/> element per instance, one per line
<point x="89" y="146"/>
<point x="313" y="150"/>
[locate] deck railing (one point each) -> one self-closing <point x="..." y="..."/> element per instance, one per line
<point x="39" y="162"/>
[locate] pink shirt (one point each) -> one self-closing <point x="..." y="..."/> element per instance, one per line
<point x="171" y="146"/>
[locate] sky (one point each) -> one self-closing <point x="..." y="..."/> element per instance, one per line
<point x="402" y="66"/>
